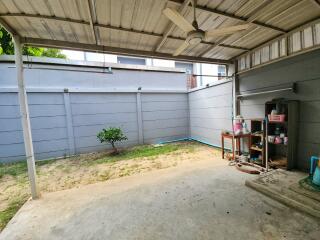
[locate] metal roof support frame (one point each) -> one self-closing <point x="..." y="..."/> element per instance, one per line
<point x="97" y="26"/>
<point x="117" y="50"/>
<point x="25" y="119"/>
<point x="233" y="16"/>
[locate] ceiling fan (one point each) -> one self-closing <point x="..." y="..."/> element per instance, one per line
<point x="194" y="34"/>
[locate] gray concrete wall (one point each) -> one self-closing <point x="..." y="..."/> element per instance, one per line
<point x="66" y="123"/>
<point x="93" y="111"/>
<point x="165" y="117"/>
<point x="47" y="116"/>
<point x="57" y="77"/>
<point x="305" y="71"/>
<point x="211" y="112"/>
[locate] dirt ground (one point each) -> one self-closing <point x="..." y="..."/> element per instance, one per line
<point x="77" y="171"/>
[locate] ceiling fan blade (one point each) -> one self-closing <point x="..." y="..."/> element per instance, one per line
<point x="182" y="47"/>
<point x="178" y="19"/>
<point x="226" y="30"/>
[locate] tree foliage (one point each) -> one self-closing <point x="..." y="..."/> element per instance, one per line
<point x="6" y="43"/>
<point x="111" y="135"/>
<point x="7" y="48"/>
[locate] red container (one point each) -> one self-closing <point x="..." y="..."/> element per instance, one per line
<point x="277" y="118"/>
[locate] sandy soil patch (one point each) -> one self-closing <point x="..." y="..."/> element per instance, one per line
<point x="87" y="168"/>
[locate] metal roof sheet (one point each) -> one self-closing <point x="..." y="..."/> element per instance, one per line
<point x="137" y="27"/>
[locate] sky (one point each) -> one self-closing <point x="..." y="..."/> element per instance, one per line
<point x="206" y="69"/>
<point x="97" y="57"/>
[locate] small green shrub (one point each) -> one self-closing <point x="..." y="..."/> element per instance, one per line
<point x="111" y="135"/>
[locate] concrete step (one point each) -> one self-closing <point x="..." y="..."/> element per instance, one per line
<point x="283" y="187"/>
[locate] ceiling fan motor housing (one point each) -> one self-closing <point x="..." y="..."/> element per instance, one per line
<point x="195" y="37"/>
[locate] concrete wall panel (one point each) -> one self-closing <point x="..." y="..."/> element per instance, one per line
<point x="66" y="122"/>
<point x="92" y="112"/>
<point x="50" y="76"/>
<point x="165" y="117"/>
<point x="211" y="113"/>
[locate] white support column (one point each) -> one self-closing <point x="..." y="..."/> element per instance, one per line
<point x="233" y="70"/>
<point x="24" y="112"/>
<point x="234" y="96"/>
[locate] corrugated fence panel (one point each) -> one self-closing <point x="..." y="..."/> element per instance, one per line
<point x="92" y="112"/>
<point x="165" y="117"/>
<point x="305" y="71"/>
<point x="210" y="113"/>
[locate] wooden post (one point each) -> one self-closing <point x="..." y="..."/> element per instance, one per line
<point x="24" y="112"/>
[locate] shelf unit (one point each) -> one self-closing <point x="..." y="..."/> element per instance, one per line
<point x="257" y="148"/>
<point x="280" y="155"/>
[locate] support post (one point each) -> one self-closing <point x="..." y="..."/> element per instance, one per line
<point x="139" y="119"/>
<point x="24" y="112"/>
<point x="235" y="90"/>
<point x="67" y="107"/>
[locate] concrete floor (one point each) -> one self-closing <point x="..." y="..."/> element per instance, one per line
<point x="203" y="200"/>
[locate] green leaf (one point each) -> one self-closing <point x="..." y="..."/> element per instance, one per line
<point x="111" y="135"/>
<point x="7" y="47"/>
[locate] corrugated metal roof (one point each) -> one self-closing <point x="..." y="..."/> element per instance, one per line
<point x="139" y="25"/>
